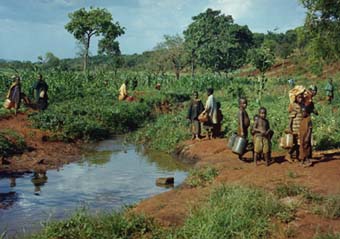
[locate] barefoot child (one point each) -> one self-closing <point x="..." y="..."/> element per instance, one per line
<point x="218" y="126"/>
<point x="243" y="120"/>
<point x="195" y="109"/>
<point x="263" y="134"/>
<point x="305" y="139"/>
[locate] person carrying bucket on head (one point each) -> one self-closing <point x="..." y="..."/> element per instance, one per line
<point x="295" y="117"/>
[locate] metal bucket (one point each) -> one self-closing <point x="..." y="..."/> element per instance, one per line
<point x="286" y="141"/>
<point x="231" y="141"/>
<point x="240" y="145"/>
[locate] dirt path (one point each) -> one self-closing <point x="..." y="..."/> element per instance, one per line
<point x="41" y="155"/>
<point x="171" y="208"/>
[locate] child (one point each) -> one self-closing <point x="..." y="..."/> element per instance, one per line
<point x="295" y="117"/>
<point x="217" y="129"/>
<point x="305" y="139"/>
<point x="263" y="135"/>
<point x="195" y="109"/>
<point x="256" y="117"/>
<point x="243" y="120"/>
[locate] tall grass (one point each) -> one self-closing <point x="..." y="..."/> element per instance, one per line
<point x="231" y="212"/>
<point x="83" y="225"/>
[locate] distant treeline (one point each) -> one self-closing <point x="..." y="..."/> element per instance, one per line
<point x="213" y="42"/>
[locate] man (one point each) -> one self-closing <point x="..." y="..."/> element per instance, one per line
<point x="40" y="87"/>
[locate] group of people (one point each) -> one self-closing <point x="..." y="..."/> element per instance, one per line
<point x="300" y="124"/>
<point x="38" y="91"/>
<point x="213" y="116"/>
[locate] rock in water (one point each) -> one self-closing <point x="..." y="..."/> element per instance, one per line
<point x="165" y="181"/>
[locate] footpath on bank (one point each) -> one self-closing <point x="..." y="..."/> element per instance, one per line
<point x="172" y="208"/>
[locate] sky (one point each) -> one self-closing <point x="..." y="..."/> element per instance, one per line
<point x="30" y="28"/>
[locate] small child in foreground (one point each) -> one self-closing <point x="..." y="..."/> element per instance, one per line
<point x="262" y="134"/>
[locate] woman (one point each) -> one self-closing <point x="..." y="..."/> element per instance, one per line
<point x="14" y="94"/>
<point x="211" y="110"/>
<point x="195" y="109"/>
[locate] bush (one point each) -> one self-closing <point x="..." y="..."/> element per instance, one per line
<point x="11" y="143"/>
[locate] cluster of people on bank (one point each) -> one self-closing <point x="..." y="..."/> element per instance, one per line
<point x="38" y="92"/>
<point x="297" y="138"/>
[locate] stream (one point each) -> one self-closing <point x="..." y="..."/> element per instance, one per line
<point x="109" y="176"/>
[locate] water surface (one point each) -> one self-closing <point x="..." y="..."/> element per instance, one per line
<point x="109" y="176"/>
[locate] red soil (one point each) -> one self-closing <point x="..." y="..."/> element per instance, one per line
<point x="171" y="208"/>
<point x="42" y="155"/>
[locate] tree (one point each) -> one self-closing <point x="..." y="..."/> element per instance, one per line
<point x="323" y="25"/>
<point x="215" y="42"/>
<point x="95" y="22"/>
<point x="173" y="48"/>
<point x="262" y="58"/>
<point x="51" y="60"/>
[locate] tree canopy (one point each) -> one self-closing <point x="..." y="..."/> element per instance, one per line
<point x="216" y="42"/>
<point x="95" y="22"/>
<point x="323" y="26"/>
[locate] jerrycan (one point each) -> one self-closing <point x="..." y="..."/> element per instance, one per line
<point x="240" y="145"/>
<point x="286" y="142"/>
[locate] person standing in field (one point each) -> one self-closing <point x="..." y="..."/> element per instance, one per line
<point x="243" y="121"/>
<point x="262" y="136"/>
<point x="123" y="91"/>
<point x="329" y="91"/>
<point x="14" y="94"/>
<point x="295" y="117"/>
<point x="211" y="110"/>
<point x="195" y="109"/>
<point x="305" y="133"/>
<point x="41" y="98"/>
<point x="217" y="131"/>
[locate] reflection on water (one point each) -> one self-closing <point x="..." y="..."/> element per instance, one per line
<point x="109" y="176"/>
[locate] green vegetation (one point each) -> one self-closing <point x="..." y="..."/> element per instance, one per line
<point x="289" y="190"/>
<point x="11" y="143"/>
<point x="329" y="235"/>
<point x="95" y="22"/>
<point x="231" y="212"/>
<point x="165" y="133"/>
<point x="84" y="225"/>
<point x="201" y="176"/>
<point x="329" y="207"/>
